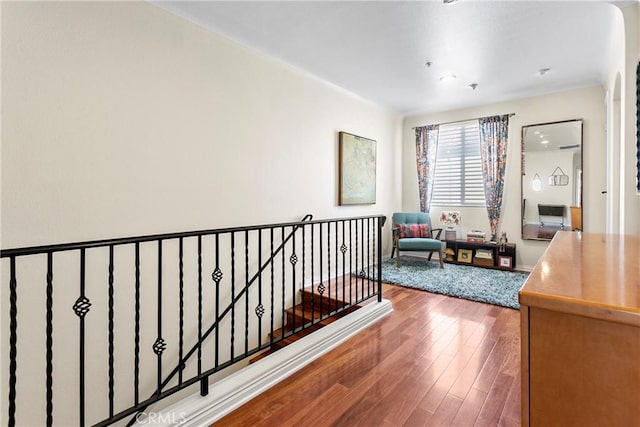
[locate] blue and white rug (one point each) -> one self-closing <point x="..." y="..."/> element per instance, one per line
<point x="496" y="287"/>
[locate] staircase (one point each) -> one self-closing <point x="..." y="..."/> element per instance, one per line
<point x="314" y="311"/>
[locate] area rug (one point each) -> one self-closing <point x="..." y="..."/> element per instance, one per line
<point x="496" y="287"/>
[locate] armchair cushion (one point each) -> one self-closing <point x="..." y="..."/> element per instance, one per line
<point x="413" y="230"/>
<point x="419" y="244"/>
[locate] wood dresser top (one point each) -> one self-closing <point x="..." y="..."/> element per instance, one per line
<point x="594" y="275"/>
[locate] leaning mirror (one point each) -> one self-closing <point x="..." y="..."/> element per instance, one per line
<point x="551" y="179"/>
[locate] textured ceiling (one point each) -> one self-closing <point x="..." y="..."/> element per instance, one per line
<point x="378" y="50"/>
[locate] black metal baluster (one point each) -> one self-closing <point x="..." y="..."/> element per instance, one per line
<point x="373" y="255"/>
<point x="136" y="350"/>
<point x="351" y="263"/>
<point x="336" y="259"/>
<point x="363" y="261"/>
<point x="233" y="293"/>
<point x="246" y="293"/>
<point x="302" y="293"/>
<point x="259" y="308"/>
<point x="368" y="256"/>
<point x="199" y="356"/>
<point x="343" y="249"/>
<point x="365" y="268"/>
<point x="110" y="305"/>
<point x="49" y="339"/>
<point x="313" y="278"/>
<point x="283" y="283"/>
<point x="181" y="308"/>
<point x="272" y="287"/>
<point x="204" y="382"/>
<point x="217" y="277"/>
<point x="356" y="270"/>
<point x="321" y="285"/>
<point x="293" y="260"/>
<point x="159" y="346"/>
<point x="328" y="268"/>
<point x="380" y="224"/>
<point x="13" y="340"/>
<point x="81" y="308"/>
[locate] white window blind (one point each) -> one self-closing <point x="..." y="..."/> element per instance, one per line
<point x="458" y="176"/>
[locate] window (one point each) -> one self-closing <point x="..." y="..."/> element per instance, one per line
<point x="458" y="175"/>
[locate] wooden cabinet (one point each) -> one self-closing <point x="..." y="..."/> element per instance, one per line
<point x="576" y="217"/>
<point x="580" y="323"/>
<point x="505" y="260"/>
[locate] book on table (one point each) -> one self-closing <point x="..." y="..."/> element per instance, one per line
<point x="476" y="236"/>
<point x="484" y="254"/>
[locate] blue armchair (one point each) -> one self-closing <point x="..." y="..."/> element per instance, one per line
<point x="413" y="232"/>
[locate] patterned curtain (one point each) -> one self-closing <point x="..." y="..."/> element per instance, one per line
<point x="426" y="148"/>
<point x="493" y="149"/>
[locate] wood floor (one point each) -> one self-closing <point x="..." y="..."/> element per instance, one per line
<point x="435" y="361"/>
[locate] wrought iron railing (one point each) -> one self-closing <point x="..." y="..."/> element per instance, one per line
<point x="149" y="323"/>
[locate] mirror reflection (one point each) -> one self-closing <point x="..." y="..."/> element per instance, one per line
<point x="551" y="179"/>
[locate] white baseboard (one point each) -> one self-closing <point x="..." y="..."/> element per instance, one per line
<point x="230" y="393"/>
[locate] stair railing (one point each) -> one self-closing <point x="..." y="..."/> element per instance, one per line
<point x="139" y="301"/>
<point x="204" y="384"/>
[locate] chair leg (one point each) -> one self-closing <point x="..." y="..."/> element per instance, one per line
<point x="398" y="259"/>
<point x="441" y="259"/>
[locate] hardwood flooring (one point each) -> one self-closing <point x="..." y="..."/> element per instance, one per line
<point x="435" y="361"/>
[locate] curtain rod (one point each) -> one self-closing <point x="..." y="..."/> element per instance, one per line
<point x="457" y="121"/>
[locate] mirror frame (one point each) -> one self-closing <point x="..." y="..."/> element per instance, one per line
<point x="522" y="175"/>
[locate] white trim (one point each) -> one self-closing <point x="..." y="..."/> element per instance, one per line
<point x="238" y="388"/>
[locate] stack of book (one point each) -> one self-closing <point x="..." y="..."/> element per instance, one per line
<point x="475" y="236"/>
<point x="483" y="257"/>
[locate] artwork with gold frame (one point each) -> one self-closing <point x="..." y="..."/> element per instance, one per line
<point x="357" y="170"/>
<point x="465" y="255"/>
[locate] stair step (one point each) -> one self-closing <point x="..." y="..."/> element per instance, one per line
<point x="315" y="302"/>
<point x="300" y="315"/>
<point x="302" y="333"/>
<point x="314" y="306"/>
<point x="340" y="295"/>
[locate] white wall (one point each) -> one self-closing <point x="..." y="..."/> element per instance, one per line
<point x="615" y="172"/>
<point x="631" y="196"/>
<point x="121" y="119"/>
<point x="586" y="104"/>
<point x="621" y="120"/>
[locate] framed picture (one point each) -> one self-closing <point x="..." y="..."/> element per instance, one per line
<point x="465" y="255"/>
<point x="505" y="262"/>
<point x="357" y="168"/>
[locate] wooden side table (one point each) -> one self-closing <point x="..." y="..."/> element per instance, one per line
<point x="505" y="260"/>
